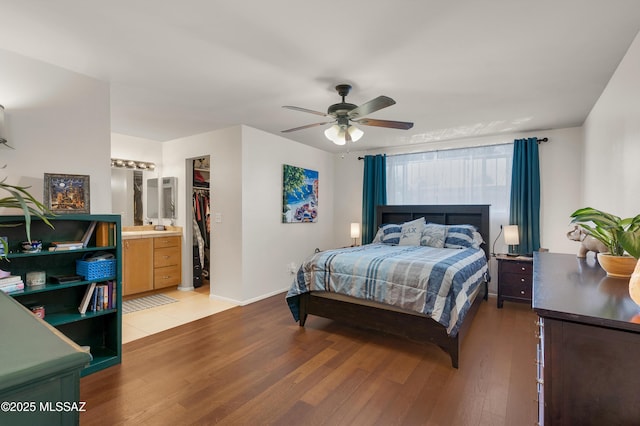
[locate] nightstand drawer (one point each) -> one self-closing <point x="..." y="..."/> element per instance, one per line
<point x="508" y="278"/>
<point x="516" y="286"/>
<point x="525" y="268"/>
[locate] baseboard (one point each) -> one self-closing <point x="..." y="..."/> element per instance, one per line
<point x="252" y="300"/>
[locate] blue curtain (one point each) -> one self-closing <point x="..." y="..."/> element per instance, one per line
<point x="525" y="195"/>
<point x="374" y="193"/>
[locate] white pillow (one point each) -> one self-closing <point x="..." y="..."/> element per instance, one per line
<point x="433" y="235"/>
<point x="411" y="232"/>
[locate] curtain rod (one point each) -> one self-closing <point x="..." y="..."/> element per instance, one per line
<point x="539" y="142"/>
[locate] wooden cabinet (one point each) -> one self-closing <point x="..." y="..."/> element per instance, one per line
<point x="514" y="279"/>
<point x="137" y="274"/>
<point x="167" y="261"/>
<point x="588" y="369"/>
<point x="151" y="261"/>
<point x="101" y="330"/>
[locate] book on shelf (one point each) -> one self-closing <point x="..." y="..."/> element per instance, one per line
<point x="74" y="245"/>
<point x="66" y="243"/>
<point x="88" y="233"/>
<point x="111" y="292"/>
<point x="11" y="279"/>
<point x="105" y="297"/>
<point x="10" y="288"/>
<point x="94" y="298"/>
<point x="87" y="298"/>
<point x="105" y="234"/>
<point x="98" y="298"/>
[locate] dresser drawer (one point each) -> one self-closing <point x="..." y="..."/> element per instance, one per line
<point x="515" y="285"/>
<point x="167" y="276"/>
<point x="162" y="242"/>
<point x="166" y="257"/>
<point x="525" y="268"/>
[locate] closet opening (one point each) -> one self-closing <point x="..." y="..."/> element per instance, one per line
<point x="201" y="220"/>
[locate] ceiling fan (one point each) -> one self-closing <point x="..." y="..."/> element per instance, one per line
<point x="343" y="114"/>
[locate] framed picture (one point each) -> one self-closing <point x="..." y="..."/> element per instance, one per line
<point x="66" y="193"/>
<point x="299" y="195"/>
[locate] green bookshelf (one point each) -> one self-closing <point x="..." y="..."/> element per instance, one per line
<point x="100" y="330"/>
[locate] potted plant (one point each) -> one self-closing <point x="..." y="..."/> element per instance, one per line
<point x="619" y="235"/>
<point x="20" y="198"/>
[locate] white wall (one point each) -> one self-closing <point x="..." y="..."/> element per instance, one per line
<point x="250" y="248"/>
<point x="134" y="148"/>
<point x="268" y="245"/>
<point x="58" y="122"/>
<point x="138" y="149"/>
<point x="224" y="148"/>
<point x="612" y="142"/>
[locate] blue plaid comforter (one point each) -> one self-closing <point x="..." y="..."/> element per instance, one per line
<point x="433" y="281"/>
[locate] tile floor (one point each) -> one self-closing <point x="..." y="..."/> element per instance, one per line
<point x="191" y="305"/>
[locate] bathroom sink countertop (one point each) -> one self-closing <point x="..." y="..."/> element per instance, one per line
<point x="149" y="232"/>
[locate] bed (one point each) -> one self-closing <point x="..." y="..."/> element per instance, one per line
<point x="438" y="315"/>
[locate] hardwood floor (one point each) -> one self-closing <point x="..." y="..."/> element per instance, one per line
<point x="253" y="365"/>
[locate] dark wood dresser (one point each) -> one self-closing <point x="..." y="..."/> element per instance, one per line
<point x="589" y="347"/>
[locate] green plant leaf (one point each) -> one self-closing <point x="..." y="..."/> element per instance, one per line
<point x="21" y="199"/>
<point x="598" y="217"/>
<point x="619" y="235"/>
<point x="630" y="241"/>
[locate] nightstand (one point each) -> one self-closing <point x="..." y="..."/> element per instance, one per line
<point x="515" y="276"/>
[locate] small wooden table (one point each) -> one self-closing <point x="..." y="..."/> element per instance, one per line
<point x="514" y="278"/>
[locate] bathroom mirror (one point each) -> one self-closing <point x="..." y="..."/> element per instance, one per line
<point x="129" y="195"/>
<point x="152" y="198"/>
<point x="167" y="203"/>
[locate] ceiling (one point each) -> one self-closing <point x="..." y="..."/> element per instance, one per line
<point x="456" y="69"/>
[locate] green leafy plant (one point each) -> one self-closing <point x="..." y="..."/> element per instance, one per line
<point x="619" y="235"/>
<point x="20" y="198"/>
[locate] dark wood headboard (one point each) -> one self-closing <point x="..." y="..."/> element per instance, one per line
<point x="460" y="214"/>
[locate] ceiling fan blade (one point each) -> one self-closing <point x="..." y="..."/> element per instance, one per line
<point x="371" y="106"/>
<point x="295" y="108"/>
<point x="306" y="127"/>
<point x="404" y="125"/>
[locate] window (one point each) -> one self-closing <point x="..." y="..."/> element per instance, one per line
<point x="477" y="175"/>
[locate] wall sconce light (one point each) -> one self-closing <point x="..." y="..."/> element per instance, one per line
<point x="131" y="164"/>
<point x="511" y="237"/>
<point x="355" y="232"/>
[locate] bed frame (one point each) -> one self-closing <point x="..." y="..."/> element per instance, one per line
<point x="409" y="325"/>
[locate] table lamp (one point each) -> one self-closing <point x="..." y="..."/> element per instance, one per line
<point x="355" y="232"/>
<point x="511" y="237"/>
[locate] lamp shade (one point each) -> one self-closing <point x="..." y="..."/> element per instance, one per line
<point x="355" y="230"/>
<point x="511" y="236"/>
<point x="332" y="132"/>
<point x="355" y="133"/>
<point x="338" y="133"/>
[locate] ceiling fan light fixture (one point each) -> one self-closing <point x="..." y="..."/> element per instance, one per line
<point x="355" y="133"/>
<point x="332" y="132"/>
<point x="338" y="134"/>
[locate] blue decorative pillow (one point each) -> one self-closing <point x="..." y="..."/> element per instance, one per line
<point x="388" y="234"/>
<point x="462" y="236"/>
